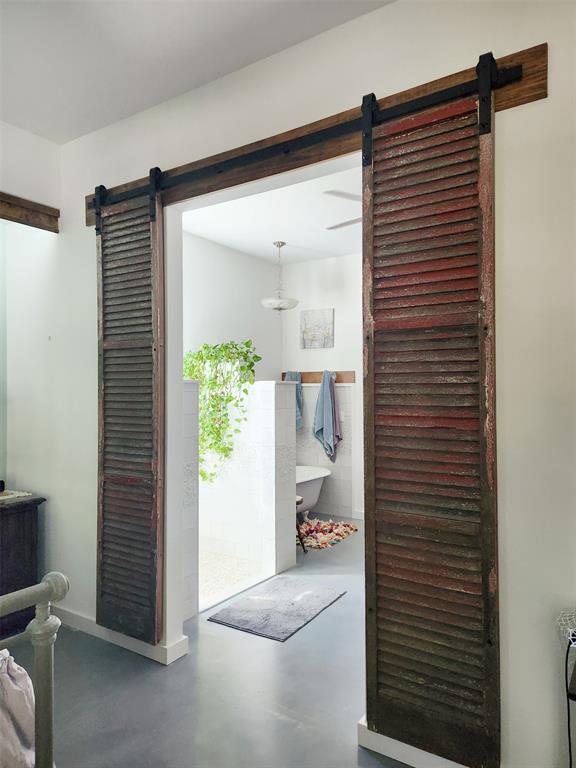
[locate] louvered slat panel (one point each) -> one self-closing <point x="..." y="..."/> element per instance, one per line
<point x="432" y="631"/>
<point x="131" y="421"/>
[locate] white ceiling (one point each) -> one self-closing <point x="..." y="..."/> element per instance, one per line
<point x="68" y="68"/>
<point x="297" y="213"/>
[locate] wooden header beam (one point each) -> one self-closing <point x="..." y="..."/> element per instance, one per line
<point x="532" y="86"/>
<point x="26" y="212"/>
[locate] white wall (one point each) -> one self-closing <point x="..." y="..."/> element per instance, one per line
<point x="37" y="328"/>
<point x="29" y="166"/>
<point x="398" y="46"/>
<point x="222" y="289"/>
<point x="321" y="284"/>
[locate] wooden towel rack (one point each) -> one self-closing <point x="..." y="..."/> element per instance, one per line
<point x="315" y="377"/>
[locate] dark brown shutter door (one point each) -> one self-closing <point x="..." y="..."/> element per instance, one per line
<point x="131" y="419"/>
<point x="432" y="634"/>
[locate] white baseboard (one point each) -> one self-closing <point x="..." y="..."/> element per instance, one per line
<point x="162" y="653"/>
<point x="404" y="753"/>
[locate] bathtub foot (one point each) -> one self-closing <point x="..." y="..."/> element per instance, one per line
<point x="300" y="517"/>
<point x="301" y="538"/>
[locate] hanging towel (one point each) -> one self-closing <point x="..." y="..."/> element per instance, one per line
<point x="295" y="376"/>
<point x="326" y="419"/>
<point x="16" y="715"/>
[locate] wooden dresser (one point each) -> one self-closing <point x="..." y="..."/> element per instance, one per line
<point x="18" y="553"/>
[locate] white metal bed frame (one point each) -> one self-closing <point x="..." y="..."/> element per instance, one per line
<point x="41" y="632"/>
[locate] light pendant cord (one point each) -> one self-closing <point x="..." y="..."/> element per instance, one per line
<point x="279" y="272"/>
<point x="567" y="686"/>
<point x="279" y="244"/>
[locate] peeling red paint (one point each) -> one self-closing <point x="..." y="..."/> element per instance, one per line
<point x="429" y="362"/>
<point x="493" y="581"/>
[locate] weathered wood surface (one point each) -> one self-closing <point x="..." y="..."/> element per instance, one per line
<point x="18" y="554"/>
<point x="131" y="420"/>
<point x="315" y="377"/>
<point x="27" y="212"/>
<point x="533" y="86"/>
<point x="431" y="586"/>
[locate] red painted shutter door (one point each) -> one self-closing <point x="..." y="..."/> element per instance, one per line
<point x="432" y="630"/>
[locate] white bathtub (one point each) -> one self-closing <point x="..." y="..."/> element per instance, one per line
<point x="309" y="484"/>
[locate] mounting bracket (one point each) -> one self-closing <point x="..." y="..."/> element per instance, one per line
<point x="369" y="112"/>
<point x="100" y="195"/>
<point x="487" y="72"/>
<point x="488" y="77"/>
<point x="154" y="188"/>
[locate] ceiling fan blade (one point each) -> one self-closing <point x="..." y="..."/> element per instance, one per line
<point x="346" y="223"/>
<point x="343" y="195"/>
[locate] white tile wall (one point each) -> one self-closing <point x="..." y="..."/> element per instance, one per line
<point x="245" y="512"/>
<point x="285" y="475"/>
<point x="336" y="497"/>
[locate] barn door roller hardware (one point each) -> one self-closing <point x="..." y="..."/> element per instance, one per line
<point x="100" y="195"/>
<point x="487" y="72"/>
<point x="103" y="197"/>
<point x="154" y="188"/>
<point x="488" y="77"/>
<point x="166" y="181"/>
<point x="369" y="113"/>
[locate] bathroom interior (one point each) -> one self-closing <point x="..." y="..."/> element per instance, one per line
<point x="272" y="288"/>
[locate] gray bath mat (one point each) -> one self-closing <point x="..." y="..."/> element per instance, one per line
<point x="278" y="608"/>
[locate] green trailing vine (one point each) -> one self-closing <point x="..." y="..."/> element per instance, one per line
<point x="223" y="372"/>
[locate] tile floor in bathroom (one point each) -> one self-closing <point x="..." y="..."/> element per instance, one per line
<point x="222" y="575"/>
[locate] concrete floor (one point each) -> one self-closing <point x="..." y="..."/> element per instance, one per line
<point x="236" y="701"/>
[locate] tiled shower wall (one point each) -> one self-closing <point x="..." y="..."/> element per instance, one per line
<point x="249" y="511"/>
<point x="336" y="497"/>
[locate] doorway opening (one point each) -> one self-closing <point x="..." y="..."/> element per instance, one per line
<point x="247" y="503"/>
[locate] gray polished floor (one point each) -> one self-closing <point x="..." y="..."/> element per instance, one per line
<point x="236" y="701"/>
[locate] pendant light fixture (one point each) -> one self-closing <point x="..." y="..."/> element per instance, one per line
<point x="278" y="302"/>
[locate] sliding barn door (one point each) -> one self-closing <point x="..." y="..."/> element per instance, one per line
<point x="131" y="418"/>
<point x="432" y="631"/>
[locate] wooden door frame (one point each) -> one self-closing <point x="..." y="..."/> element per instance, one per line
<point x="282" y="153"/>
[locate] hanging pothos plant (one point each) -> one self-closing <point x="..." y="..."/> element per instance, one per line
<point x="223" y="372"/>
